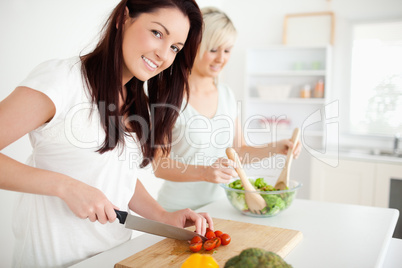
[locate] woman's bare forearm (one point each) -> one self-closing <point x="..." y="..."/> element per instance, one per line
<point x="15" y="176"/>
<point x="144" y="204"/>
<point x="173" y="170"/>
<point x="83" y="200"/>
<point x="250" y="154"/>
<point x="255" y="154"/>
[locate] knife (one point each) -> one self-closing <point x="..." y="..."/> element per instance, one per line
<point x="155" y="227"/>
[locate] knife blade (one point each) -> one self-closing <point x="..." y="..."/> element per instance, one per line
<point x="154" y="227"/>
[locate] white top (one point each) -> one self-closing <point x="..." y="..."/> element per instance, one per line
<point x="199" y="140"/>
<point x="47" y="232"/>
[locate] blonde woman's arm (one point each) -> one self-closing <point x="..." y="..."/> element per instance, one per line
<point x="251" y="154"/>
<point x="220" y="171"/>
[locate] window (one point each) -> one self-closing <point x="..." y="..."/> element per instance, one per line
<point x="376" y="79"/>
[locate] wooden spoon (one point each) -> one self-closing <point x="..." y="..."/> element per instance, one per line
<point x="255" y="201"/>
<point x="283" y="180"/>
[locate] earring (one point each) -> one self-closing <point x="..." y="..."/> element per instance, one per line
<point x="171" y="69"/>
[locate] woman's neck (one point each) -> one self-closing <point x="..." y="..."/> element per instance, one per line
<point x="203" y="95"/>
<point x="201" y="85"/>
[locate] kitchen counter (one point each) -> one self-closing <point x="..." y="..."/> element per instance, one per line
<point x="394" y="257"/>
<point x="365" y="155"/>
<point x="334" y="235"/>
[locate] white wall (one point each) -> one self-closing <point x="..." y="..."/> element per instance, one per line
<point x="261" y="24"/>
<point x="34" y="31"/>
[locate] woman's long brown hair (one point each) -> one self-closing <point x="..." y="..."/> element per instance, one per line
<point x="151" y="117"/>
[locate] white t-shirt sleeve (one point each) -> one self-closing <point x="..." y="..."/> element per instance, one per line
<point x="52" y="79"/>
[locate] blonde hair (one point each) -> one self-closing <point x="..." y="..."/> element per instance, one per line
<point x="218" y="30"/>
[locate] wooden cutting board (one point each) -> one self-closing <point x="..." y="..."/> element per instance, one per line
<point x="172" y="253"/>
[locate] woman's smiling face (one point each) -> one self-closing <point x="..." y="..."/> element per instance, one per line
<point x="151" y="42"/>
<point x="211" y="63"/>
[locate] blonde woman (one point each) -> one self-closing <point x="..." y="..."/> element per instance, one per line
<point x="207" y="125"/>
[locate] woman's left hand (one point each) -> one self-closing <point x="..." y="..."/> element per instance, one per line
<point x="187" y="217"/>
<point x="283" y="146"/>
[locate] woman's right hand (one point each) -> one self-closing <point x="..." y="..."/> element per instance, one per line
<point x="221" y="171"/>
<point x="89" y="202"/>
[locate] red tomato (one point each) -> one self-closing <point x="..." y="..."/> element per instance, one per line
<point x="208" y="229"/>
<point x="218" y="233"/>
<point x="210" y="234"/>
<point x="225" y="238"/>
<point x="196" y="239"/>
<point x="209" y="245"/>
<point x="195" y="247"/>
<point x="217" y="241"/>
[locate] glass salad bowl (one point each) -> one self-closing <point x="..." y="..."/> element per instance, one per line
<point x="276" y="201"/>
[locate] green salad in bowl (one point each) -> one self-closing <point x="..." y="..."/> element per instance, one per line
<point x="276" y="201"/>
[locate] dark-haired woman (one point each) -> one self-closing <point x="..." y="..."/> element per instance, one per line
<point x="89" y="120"/>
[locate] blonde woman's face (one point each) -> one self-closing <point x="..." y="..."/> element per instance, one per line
<point x="152" y="41"/>
<point x="213" y="61"/>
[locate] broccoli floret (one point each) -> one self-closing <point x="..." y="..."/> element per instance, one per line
<point x="252" y="252"/>
<point x="232" y="261"/>
<point x="257" y="258"/>
<point x="260" y="183"/>
<point x="274" y="201"/>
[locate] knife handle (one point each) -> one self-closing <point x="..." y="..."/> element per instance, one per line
<point x="121" y="215"/>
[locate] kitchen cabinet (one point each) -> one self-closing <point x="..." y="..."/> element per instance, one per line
<point x="351" y="182"/>
<point x="360" y="182"/>
<point x="389" y="190"/>
<point x="384" y="174"/>
<point x="275" y="78"/>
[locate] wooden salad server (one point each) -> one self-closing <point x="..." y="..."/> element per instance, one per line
<point x="283" y="180"/>
<point x="254" y="200"/>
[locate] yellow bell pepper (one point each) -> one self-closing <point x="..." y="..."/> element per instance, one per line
<point x="197" y="260"/>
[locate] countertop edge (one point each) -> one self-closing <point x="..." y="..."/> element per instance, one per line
<point x="385" y="247"/>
